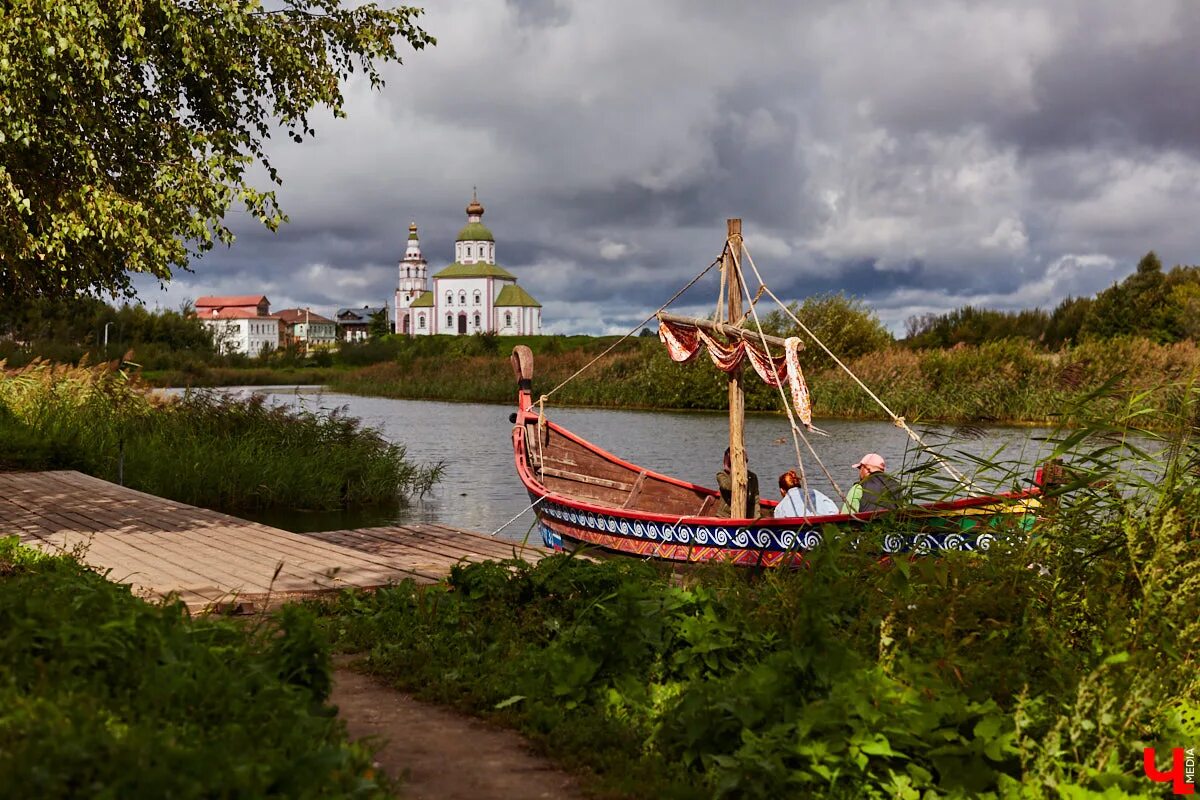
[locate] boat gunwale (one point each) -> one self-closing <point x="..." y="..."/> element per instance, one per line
<point x="526" y="416"/>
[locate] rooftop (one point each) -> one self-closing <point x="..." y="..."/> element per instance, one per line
<point x="294" y="315"/>
<point x="513" y="295"/>
<point x="210" y="301"/>
<point x="475" y="232"/>
<point x="226" y="312"/>
<point x="477" y="270"/>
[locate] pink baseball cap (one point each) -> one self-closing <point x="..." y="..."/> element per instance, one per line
<point x="872" y="460"/>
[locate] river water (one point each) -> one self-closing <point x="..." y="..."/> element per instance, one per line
<point x="480" y="490"/>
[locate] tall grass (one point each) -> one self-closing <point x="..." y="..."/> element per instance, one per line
<point x="203" y="449"/>
<point x="104" y="695"/>
<point x="1039" y="669"/>
<point x="1010" y="381"/>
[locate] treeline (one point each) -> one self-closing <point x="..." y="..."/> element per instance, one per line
<point x="1161" y="306"/>
<point x="68" y="330"/>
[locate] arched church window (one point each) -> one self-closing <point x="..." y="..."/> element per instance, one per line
<point x="449" y="320"/>
<point x="468" y="251"/>
<point x="421" y="321"/>
<point x="477" y="297"/>
<point x="508" y="319"/>
<point x="462" y="298"/>
<point x="449" y="298"/>
<point x="476" y="319"/>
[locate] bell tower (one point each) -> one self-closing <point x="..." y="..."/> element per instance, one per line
<point x="413" y="280"/>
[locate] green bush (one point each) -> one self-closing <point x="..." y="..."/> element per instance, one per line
<point x="104" y="695"/>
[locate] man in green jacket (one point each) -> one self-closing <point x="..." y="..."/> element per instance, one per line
<point x="875" y="490"/>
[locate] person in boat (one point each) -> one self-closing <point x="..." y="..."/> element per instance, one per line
<point x="796" y="503"/>
<point x="875" y="490"/>
<point x="725" y="484"/>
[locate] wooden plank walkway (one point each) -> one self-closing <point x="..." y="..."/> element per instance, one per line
<point x="214" y="561"/>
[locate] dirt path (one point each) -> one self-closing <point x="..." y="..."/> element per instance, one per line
<point x="440" y="754"/>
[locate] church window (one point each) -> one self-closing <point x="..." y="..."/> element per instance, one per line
<point x="449" y="320"/>
<point x="449" y="298"/>
<point x="421" y="321"/>
<point x="477" y="297"/>
<point x="476" y="319"/>
<point x="462" y="298"/>
<point x="468" y="251"/>
<point x="508" y="319"/>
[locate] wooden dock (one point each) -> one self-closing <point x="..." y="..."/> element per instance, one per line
<point x="214" y="561"/>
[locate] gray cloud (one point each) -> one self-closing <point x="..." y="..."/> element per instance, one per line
<point x="918" y="155"/>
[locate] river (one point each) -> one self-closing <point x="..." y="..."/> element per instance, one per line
<point x="480" y="491"/>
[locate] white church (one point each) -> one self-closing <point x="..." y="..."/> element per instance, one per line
<point x="472" y="295"/>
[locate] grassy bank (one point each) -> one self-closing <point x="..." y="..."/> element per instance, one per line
<point x="1037" y="670"/>
<point x="218" y="452"/>
<point x="207" y="376"/>
<point x="1003" y="382"/>
<point x="104" y="695"/>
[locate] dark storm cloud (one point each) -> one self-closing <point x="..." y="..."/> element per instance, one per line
<point x="920" y="156"/>
<point x="1093" y="91"/>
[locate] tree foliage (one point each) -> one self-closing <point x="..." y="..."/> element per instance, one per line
<point x="379" y="326"/>
<point x="129" y="128"/>
<point x="80" y="324"/>
<point x="1150" y="303"/>
<point x="844" y="323"/>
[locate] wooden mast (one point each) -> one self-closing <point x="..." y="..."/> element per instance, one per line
<point x="737" y="397"/>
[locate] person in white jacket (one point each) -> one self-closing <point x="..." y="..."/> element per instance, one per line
<point x="796" y="504"/>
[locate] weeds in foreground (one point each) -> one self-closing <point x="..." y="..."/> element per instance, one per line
<point x="105" y="695"/>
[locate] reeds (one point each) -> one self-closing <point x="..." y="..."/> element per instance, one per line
<point x="1000" y="382"/>
<point x="209" y="450"/>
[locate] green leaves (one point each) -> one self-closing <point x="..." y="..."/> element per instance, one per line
<point x="126" y="127"/>
<point x="105" y="695"/>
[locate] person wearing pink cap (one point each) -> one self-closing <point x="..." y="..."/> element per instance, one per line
<point x="875" y="490"/>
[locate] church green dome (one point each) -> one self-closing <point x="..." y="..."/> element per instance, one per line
<point x="475" y="232"/>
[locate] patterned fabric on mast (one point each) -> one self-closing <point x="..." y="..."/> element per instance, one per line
<point x="801" y="399"/>
<point x="683" y="342"/>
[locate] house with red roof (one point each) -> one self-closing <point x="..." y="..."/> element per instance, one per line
<point x="307" y="329"/>
<point x="240" y="323"/>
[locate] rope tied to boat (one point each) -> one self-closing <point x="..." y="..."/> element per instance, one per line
<point x="632" y="331"/>
<point x="897" y="420"/>
<point x="519" y="513"/>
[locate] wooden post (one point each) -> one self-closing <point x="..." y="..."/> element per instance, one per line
<point x="737" y="397"/>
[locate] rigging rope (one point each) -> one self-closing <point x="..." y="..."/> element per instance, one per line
<point x="519" y="513"/>
<point x="634" y="330"/>
<point x="897" y="420"/>
<point x="786" y="405"/>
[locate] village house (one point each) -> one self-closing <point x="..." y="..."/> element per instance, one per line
<point x="307" y="329"/>
<point x="354" y="324"/>
<point x="240" y="323"/>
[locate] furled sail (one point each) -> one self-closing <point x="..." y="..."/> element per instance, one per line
<point x="684" y="342"/>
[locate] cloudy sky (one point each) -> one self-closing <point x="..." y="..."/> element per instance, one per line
<point x="918" y="155"/>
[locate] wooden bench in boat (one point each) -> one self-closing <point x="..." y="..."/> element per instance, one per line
<point x="563" y="466"/>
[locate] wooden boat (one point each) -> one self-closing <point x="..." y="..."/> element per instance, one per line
<point x="583" y="495"/>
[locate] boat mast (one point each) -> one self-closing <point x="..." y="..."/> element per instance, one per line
<point x="737" y="396"/>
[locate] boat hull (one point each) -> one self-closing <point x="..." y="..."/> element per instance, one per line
<point x="771" y="542"/>
<point x="584" y="496"/>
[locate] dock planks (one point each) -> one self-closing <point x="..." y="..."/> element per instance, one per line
<point x="214" y="561"/>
